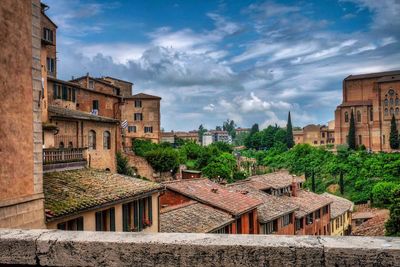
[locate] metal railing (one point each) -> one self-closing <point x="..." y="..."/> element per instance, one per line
<point x="51" y="155"/>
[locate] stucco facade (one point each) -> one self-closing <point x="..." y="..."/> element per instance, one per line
<point x="373" y="99"/>
<point x="21" y="190"/>
<point x="315" y="135"/>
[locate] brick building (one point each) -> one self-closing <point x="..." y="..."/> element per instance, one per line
<point x="315" y="135"/>
<point x="242" y="208"/>
<point x="172" y="136"/>
<point x="21" y="190"/>
<point x="374" y="99"/>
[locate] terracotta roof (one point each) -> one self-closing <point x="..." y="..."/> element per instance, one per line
<point x="372" y="75"/>
<point x="77" y="114"/>
<point x="274" y="180"/>
<point x="142" y="96"/>
<point x="208" y="192"/>
<point x="339" y="205"/>
<point x="272" y="207"/>
<point x="392" y="78"/>
<point x="193" y="217"/>
<point x="362" y="215"/>
<point x="307" y="202"/>
<point x="179" y="134"/>
<point x="374" y="226"/>
<point x="356" y="103"/>
<point x="70" y="192"/>
<point x="100" y="80"/>
<point x="116" y="79"/>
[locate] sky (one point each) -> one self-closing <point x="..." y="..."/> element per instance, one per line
<point x="249" y="61"/>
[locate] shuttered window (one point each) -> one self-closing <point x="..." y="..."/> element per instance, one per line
<point x="72" y="225"/>
<point x="105" y="220"/>
<point x="137" y="215"/>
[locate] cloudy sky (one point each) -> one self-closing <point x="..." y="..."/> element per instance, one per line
<point x="250" y="61"/>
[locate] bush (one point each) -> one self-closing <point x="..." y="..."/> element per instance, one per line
<point x="123" y="166"/>
<point x="222" y="146"/>
<point x="382" y="193"/>
<point x="141" y="147"/>
<point x="163" y="159"/>
<point x="239" y="175"/>
<point x="217" y="171"/>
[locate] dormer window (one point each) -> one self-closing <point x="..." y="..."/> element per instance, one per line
<point x="48" y="35"/>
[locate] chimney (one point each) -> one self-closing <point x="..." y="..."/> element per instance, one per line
<point x="294" y="186"/>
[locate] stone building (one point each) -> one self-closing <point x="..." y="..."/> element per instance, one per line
<point x="341" y="214"/>
<point x="171" y="137"/>
<point x="315" y="135"/>
<point x="242" y="208"/>
<point x="93" y="200"/>
<point x="374" y="99"/>
<point x="21" y="185"/>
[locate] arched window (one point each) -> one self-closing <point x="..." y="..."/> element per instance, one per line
<point x="358" y="116"/>
<point x="92" y="140"/>
<point x="391" y="111"/>
<point x="386" y="102"/>
<point x="70" y="144"/>
<point x="346" y="117"/>
<point x="371" y="114"/>
<point x="61" y="145"/>
<point x="106" y="140"/>
<point x="391" y="101"/>
<point x="397" y="101"/>
<point x="386" y="112"/>
<point x="397" y="111"/>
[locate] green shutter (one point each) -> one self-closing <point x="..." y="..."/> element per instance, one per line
<point x="141" y="214"/>
<point x="79" y="224"/>
<point x="135" y="215"/>
<point x="73" y="95"/>
<point x="64" y="92"/>
<point x="55" y="91"/>
<point x="150" y="200"/>
<point x="112" y="219"/>
<point x="99" y="221"/>
<point x="125" y="217"/>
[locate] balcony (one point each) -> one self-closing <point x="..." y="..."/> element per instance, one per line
<point x="63" y="159"/>
<point x="68" y="248"/>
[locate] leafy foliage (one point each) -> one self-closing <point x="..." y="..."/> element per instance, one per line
<point x="163" y="159"/>
<point x="123" y="166"/>
<point x="393" y="224"/>
<point x="140" y="147"/>
<point x="352" y="133"/>
<point x="289" y="133"/>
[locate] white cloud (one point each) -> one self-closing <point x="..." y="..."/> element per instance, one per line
<point x="209" y="107"/>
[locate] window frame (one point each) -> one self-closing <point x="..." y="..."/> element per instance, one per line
<point x="106" y="140"/>
<point x="138" y="103"/>
<point x="92" y="139"/>
<point x="105" y="220"/>
<point x="76" y="224"/>
<point x="137" y="215"/>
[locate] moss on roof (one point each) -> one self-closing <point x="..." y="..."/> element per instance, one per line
<point x="70" y="192"/>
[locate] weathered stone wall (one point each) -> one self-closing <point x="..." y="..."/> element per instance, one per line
<point x="144" y="169"/>
<point x="58" y="248"/>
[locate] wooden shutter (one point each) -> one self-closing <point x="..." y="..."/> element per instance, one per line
<point x="149" y="199"/>
<point x="112" y="219"/>
<point x="73" y="94"/>
<point x="55" y="96"/>
<point x="141" y="214"/>
<point x="125" y="218"/>
<point x="99" y="221"/>
<point x="64" y="92"/>
<point x="136" y="215"/>
<point x="79" y="224"/>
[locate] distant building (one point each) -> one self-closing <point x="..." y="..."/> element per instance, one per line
<point x="315" y="135"/>
<point x="341" y="212"/>
<point x="373" y="98"/>
<point x="242" y="130"/>
<point x="92" y="200"/>
<point x="216" y="136"/>
<point x="170" y="137"/>
<point x="239" y="207"/>
<point x="207" y="139"/>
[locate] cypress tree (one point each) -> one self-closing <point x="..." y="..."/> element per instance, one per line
<point x="341" y="183"/>
<point x="352" y="133"/>
<point x="313" y="181"/>
<point x="289" y="133"/>
<point x="394" y="134"/>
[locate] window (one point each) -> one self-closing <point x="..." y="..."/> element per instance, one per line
<point x="371" y="114"/>
<point x="71" y="225"/>
<point x="325" y="210"/>
<point x="358" y="116"/>
<point x="323" y="135"/>
<point x="105" y="220"/>
<point x="251" y="222"/>
<point x="391" y="111"/>
<point x="360" y="140"/>
<point x="224" y="230"/>
<point x="309" y="219"/>
<point x="299" y="224"/>
<point x="51" y="67"/>
<point x="397" y="111"/>
<point x="64" y="92"/>
<point x="92" y="139"/>
<point x="270" y="227"/>
<point x="61" y="145"/>
<point x="386" y="102"/>
<point x="48" y="35"/>
<point x="95" y="105"/>
<point x="137" y="215"/>
<point x="317" y="214"/>
<point x="383" y="139"/>
<point x="138" y="116"/>
<point x="397" y="101"/>
<point x="239" y="225"/>
<point x="386" y="112"/>
<point x="106" y="140"/>
<point x="91" y="84"/>
<point x="286" y="220"/>
<point x="131" y="129"/>
<point x="346" y="117"/>
<point x="391" y="101"/>
<point x="148" y="129"/>
<point x="138" y="103"/>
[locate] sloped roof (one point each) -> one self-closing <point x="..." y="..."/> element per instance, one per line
<point x="372" y="75"/>
<point x="193" y="217"/>
<point x="70" y="192"/>
<point x="339" y="205"/>
<point x="390" y="78"/>
<point x="274" y="180"/>
<point x="143" y="96"/>
<point x="307" y="202"/>
<point x="208" y="192"/>
<point x="272" y="207"/>
<point x="77" y="114"/>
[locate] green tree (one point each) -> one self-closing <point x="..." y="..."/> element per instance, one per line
<point x="163" y="159"/>
<point x="313" y="181"/>
<point x="289" y="133"/>
<point x="191" y="150"/>
<point x="254" y="129"/>
<point x="394" y="134"/>
<point x="352" y="133"/>
<point x="222" y="146"/>
<point x="218" y="128"/>
<point x="201" y="132"/>
<point x="240" y="139"/>
<point x="382" y="192"/>
<point x="341" y="183"/>
<point x="393" y="224"/>
<point x="123" y="166"/>
<point x="230" y="127"/>
<point x="217" y="171"/>
<point x="140" y="147"/>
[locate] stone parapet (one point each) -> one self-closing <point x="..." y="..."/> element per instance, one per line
<point x="58" y="248"/>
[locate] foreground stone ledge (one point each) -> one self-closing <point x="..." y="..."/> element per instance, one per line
<point x="59" y="248"/>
